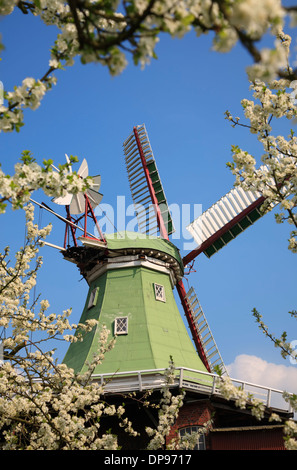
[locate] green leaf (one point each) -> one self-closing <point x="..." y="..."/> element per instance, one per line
<point x="47" y="164"/>
<point x="187" y="20"/>
<point x="27" y="157"/>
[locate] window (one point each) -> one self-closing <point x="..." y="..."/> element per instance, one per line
<point x="121" y="326"/>
<point x="93" y="297"/>
<point x="159" y="292"/>
<point x="200" y="437"/>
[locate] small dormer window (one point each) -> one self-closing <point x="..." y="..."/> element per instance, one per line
<point x="121" y="326"/>
<point x="93" y="297"/>
<point x="160" y="292"/>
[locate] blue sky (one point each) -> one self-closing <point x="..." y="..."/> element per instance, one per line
<point x="181" y="98"/>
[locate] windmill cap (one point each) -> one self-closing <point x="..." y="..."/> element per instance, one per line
<point x="136" y="242"/>
<point x="94" y="252"/>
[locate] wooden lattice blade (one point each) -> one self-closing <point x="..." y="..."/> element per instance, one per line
<point x="141" y="166"/>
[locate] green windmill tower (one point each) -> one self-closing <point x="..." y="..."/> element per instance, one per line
<point x="132" y="277"/>
<point x="131" y="280"/>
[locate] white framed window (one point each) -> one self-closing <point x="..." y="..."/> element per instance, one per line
<point x="193" y="430"/>
<point x="93" y="297"/>
<point x="159" y="292"/>
<point x="121" y="326"/>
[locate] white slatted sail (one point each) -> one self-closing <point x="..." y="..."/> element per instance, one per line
<point x="225" y="219"/>
<point x="230" y="216"/>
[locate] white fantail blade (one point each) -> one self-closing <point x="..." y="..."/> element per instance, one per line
<point x="83" y="171"/>
<point x="68" y="198"/>
<point x="94" y="198"/>
<point x="96" y="183"/>
<point x="63" y="200"/>
<point x="78" y="204"/>
<point x="68" y="161"/>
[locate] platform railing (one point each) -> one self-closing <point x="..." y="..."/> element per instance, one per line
<point x="204" y="383"/>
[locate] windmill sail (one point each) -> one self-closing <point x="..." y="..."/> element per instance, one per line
<point x="231" y="215"/>
<point x="224" y="221"/>
<point x="145" y="184"/>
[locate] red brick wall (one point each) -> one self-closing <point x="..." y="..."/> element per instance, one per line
<point x="191" y="414"/>
<point x="199" y="413"/>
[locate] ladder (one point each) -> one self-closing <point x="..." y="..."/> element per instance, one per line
<point x="207" y="340"/>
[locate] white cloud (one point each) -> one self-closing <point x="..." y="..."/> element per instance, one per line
<point x="258" y="371"/>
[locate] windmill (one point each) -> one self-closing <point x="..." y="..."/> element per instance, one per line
<point x="127" y="273"/>
<point x="132" y="277"/>
<point x="114" y="267"/>
<point x="215" y="228"/>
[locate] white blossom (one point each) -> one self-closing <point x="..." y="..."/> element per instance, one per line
<point x="45" y="405"/>
<point x="255" y="17"/>
<point x="251" y="17"/>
